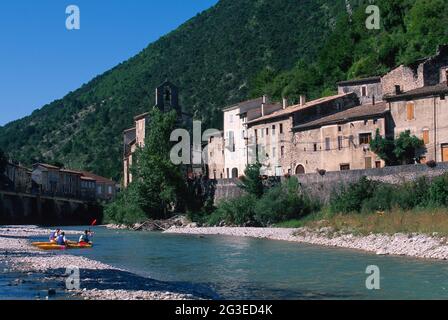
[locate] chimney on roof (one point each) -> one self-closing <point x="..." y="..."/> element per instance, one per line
<point x="285" y="103"/>
<point x="265" y="99"/>
<point x="397" y="89"/>
<point x="302" y="101"/>
<point x="262" y="109"/>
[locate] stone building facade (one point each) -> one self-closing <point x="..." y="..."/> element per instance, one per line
<point x="271" y="135"/>
<point x="340" y="141"/>
<point x="214" y="156"/>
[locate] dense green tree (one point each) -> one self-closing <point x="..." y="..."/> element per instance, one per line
<point x="407" y="147"/>
<point x="160" y="184"/>
<point x="384" y="148"/>
<point x="403" y="150"/>
<point x="252" y="181"/>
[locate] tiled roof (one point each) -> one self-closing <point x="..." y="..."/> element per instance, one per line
<point x="70" y="171"/>
<point x="360" y="81"/>
<point x="441" y="88"/>
<point x="359" y="112"/>
<point x="47" y="166"/>
<point x="295" y="108"/>
<point x="245" y="105"/>
<point x="96" y="177"/>
<point x="141" y="116"/>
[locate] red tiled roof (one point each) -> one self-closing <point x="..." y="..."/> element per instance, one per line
<point x="96" y="177"/>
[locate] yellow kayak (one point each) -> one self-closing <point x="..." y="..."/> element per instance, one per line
<point x="36" y="244"/>
<point x="54" y="246"/>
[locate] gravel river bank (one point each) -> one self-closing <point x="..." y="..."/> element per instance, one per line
<point x="412" y="245"/>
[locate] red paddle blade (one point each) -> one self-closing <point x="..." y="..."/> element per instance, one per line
<point x="93" y="222"/>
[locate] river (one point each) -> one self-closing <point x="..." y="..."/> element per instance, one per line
<point x="245" y="268"/>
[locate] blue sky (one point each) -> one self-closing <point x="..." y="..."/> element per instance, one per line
<point x="40" y="60"/>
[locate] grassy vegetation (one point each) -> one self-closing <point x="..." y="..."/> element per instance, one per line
<point x="363" y="207"/>
<point x="422" y="221"/>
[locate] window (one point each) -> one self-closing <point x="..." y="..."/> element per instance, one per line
<point x="231" y="118"/>
<point x="267" y="132"/>
<point x="375" y="121"/>
<point x="339" y="128"/>
<point x="366" y="122"/>
<point x="231" y="143"/>
<point x="340" y="139"/>
<point x="315" y="147"/>
<point x="273" y="130"/>
<point x="282" y="151"/>
<point x="345" y="167"/>
<point x="410" y="112"/>
<point x="426" y="136"/>
<point x="274" y="152"/>
<point x="109" y="189"/>
<point x="262" y="133"/>
<point x="364" y="91"/>
<point x="228" y="173"/>
<point x="281" y="128"/>
<point x="365" y="138"/>
<point x="378" y="164"/>
<point x="327" y="144"/>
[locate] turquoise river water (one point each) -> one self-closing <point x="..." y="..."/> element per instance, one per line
<point x="245" y="268"/>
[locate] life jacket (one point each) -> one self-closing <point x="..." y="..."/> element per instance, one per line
<point x="60" y="240"/>
<point x="84" y="238"/>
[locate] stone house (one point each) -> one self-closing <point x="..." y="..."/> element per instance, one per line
<point x="214" y="156"/>
<point x="166" y="100"/>
<point x="105" y="189"/>
<point x="340" y="141"/>
<point x="368" y="90"/>
<point x="236" y="153"/>
<point x="271" y="135"/>
<point x="423" y="111"/>
<point x="54" y="181"/>
<point x="18" y="178"/>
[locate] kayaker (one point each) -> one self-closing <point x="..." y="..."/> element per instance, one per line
<point x="54" y="235"/>
<point x="61" y="240"/>
<point x="84" y="238"/>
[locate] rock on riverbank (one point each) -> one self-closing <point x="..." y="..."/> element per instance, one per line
<point x="100" y="281"/>
<point x="413" y="245"/>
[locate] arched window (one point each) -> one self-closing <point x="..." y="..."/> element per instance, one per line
<point x="234" y="173"/>
<point x="300" y="169"/>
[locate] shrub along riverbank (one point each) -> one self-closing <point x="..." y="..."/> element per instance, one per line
<point x="362" y="207"/>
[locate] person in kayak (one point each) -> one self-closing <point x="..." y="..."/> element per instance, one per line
<point x="54" y="235"/>
<point x="84" y="238"/>
<point x="61" y="240"/>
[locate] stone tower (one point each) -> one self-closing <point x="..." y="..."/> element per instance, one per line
<point x="167" y="98"/>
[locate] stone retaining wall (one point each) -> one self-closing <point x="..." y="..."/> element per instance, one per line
<point x="323" y="186"/>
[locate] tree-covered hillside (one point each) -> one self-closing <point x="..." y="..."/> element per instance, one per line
<point x="235" y="50"/>
<point x="211" y="58"/>
<point x="409" y="30"/>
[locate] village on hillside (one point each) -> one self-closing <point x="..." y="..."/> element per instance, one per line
<point x="328" y="134"/>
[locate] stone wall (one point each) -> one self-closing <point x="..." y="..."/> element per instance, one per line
<point x="20" y="209"/>
<point x="322" y="187"/>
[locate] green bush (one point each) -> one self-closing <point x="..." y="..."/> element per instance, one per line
<point x="350" y="198"/>
<point x="283" y="202"/>
<point x="238" y="211"/>
<point x="438" y="191"/>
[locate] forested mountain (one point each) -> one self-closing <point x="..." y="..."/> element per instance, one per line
<point x="235" y="50"/>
